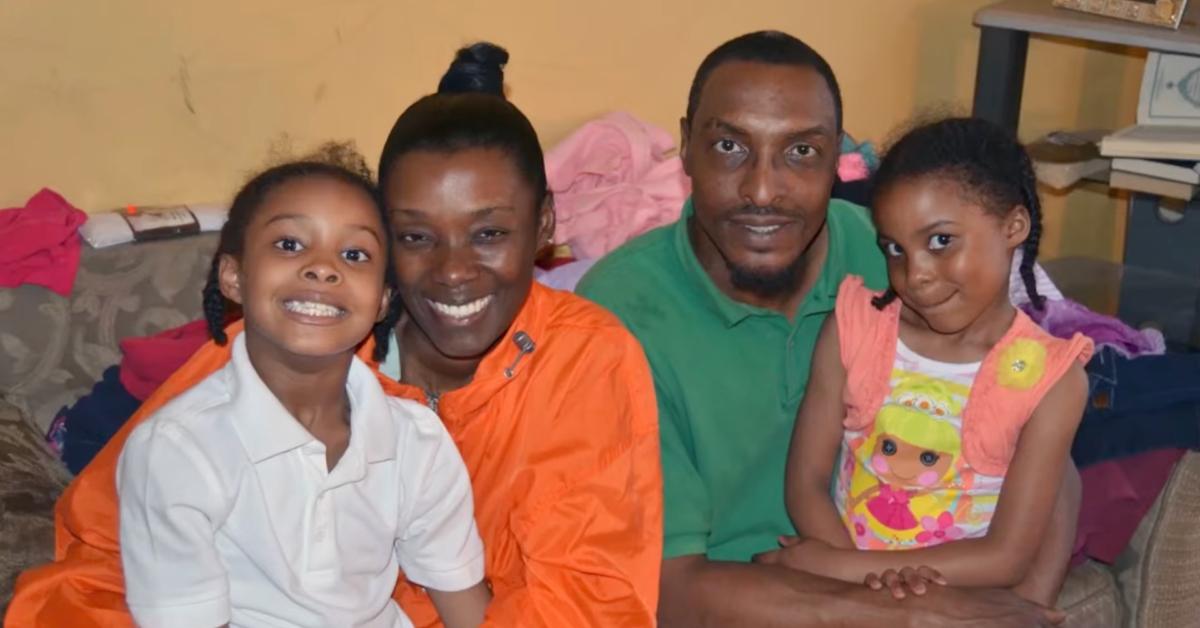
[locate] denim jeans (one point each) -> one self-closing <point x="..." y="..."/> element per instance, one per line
<point x="1137" y="405"/>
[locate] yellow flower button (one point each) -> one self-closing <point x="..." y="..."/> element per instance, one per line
<point x="1022" y="364"/>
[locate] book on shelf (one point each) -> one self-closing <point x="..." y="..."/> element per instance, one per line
<point x="1152" y="185"/>
<point x="1168" y="117"/>
<point x="1153" y="142"/>
<point x="1182" y="171"/>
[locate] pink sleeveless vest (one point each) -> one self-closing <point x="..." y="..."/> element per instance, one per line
<point x="1011" y="382"/>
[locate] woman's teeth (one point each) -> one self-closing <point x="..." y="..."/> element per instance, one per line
<point x="460" y="311"/>
<point x="308" y="308"/>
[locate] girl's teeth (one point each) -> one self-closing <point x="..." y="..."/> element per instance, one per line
<point x="764" y="230"/>
<point x="308" y="308"/>
<point x="461" y="311"/>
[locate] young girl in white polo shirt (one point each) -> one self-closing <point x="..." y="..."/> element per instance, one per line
<point x="286" y="489"/>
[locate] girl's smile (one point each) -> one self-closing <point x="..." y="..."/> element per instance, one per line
<point x="314" y="308"/>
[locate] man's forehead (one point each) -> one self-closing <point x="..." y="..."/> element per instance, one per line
<point x="763" y="95"/>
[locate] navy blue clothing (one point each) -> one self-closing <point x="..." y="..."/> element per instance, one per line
<point x="95" y="418"/>
<point x="1138" y="405"/>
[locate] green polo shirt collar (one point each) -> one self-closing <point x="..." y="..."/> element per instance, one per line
<point x="819" y="300"/>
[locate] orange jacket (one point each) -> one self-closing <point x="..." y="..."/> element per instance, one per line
<point x="563" y="457"/>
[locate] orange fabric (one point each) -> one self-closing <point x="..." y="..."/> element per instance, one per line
<point x="564" y="463"/>
<point x="994" y="414"/>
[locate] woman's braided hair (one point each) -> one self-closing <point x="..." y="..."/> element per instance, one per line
<point x="337" y="161"/>
<point x="987" y="163"/>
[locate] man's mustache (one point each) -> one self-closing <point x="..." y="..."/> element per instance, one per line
<point x="755" y="210"/>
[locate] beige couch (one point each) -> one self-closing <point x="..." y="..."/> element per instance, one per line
<point x="53" y="349"/>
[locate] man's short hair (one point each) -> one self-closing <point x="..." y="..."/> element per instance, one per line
<point x="770" y="47"/>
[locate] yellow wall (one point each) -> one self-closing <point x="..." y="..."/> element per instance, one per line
<point x="151" y="101"/>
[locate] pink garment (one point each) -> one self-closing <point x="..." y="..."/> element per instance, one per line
<point x="149" y="360"/>
<point x="852" y="167"/>
<point x="1116" y="496"/>
<point x="614" y="178"/>
<point x="39" y="243"/>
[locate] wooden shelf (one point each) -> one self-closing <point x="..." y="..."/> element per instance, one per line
<point x="1040" y="17"/>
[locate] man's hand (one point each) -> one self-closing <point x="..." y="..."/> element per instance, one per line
<point x="947" y="607"/>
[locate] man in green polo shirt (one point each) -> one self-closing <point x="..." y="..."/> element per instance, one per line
<point x="727" y="303"/>
<point x="730" y="374"/>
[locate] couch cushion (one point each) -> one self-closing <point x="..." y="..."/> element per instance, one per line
<point x="1090" y="598"/>
<point x="1171" y="560"/>
<point x="30" y="482"/>
<point x="53" y="349"/>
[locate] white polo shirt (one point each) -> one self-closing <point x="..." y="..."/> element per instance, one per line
<point x="228" y="514"/>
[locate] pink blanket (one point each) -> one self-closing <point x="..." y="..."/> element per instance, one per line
<point x="614" y="178"/>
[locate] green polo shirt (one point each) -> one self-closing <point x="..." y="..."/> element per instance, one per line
<point x="729" y="378"/>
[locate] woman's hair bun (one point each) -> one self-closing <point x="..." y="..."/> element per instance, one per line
<point x="476" y="68"/>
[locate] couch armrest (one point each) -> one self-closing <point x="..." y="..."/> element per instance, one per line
<point x="1170" y="566"/>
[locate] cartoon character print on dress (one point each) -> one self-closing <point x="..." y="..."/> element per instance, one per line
<point x="904" y="483"/>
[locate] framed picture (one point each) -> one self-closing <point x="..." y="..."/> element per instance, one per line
<point x="1170" y="92"/>
<point x="1166" y="13"/>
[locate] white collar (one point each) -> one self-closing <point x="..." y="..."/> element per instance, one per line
<point x="267" y="429"/>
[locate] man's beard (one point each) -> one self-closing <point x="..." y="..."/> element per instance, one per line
<point x="766" y="282"/>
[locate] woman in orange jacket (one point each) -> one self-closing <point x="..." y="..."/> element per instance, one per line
<point x="548" y="398"/>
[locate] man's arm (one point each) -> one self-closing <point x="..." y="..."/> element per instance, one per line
<point x="697" y="592"/>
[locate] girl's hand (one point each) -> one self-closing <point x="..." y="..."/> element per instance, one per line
<point x="810" y="555"/>
<point x="897" y="582"/>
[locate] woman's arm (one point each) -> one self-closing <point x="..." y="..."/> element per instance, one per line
<point x="1004" y="556"/>
<point x="816" y="441"/>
